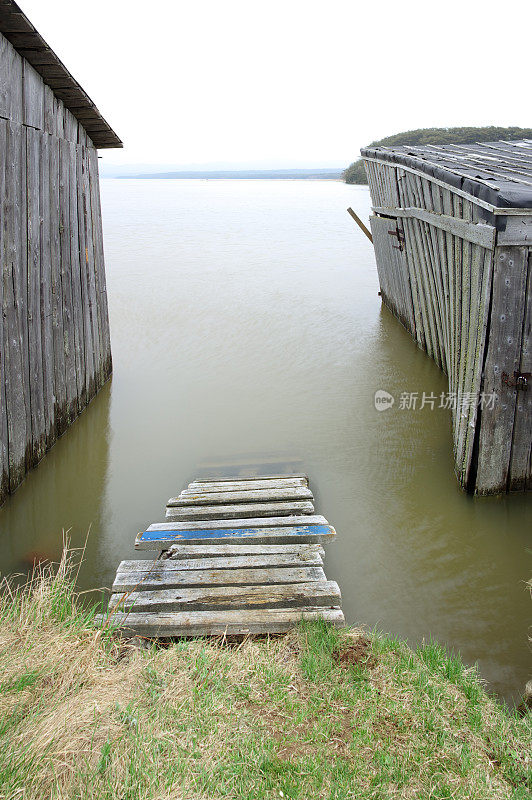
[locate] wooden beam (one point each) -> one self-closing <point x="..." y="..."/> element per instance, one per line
<point x="240" y="510"/>
<point x="302" y="534"/>
<point x="193" y="498"/>
<point x="244" y="485"/>
<point x="218" y="598"/>
<point x="219" y="623"/>
<point x="192" y="578"/>
<point x="226" y="551"/>
<point x="257" y="522"/>
<point x="360" y="224"/>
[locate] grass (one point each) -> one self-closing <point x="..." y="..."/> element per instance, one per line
<point x="319" y="713"/>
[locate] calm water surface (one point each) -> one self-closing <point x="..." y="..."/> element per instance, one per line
<point x="246" y="328"/>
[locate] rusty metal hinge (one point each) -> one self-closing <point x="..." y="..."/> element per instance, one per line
<point x="400" y="239"/>
<point x="519" y="380"/>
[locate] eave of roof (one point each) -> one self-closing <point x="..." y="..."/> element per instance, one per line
<point x="499" y="173"/>
<point x="18" y="30"/>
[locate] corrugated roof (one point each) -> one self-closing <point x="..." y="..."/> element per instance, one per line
<point x="497" y="172"/>
<point x="17" y="29"/>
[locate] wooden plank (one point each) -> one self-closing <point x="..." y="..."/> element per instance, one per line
<point x="467" y="322"/>
<point x="59" y="118"/>
<point x="244" y="485"/>
<point x="159" y="540"/>
<point x="88" y="350"/>
<point x="70" y="126"/>
<point x="477" y="233"/>
<point x="95" y="377"/>
<point x="427" y="294"/>
<point x="66" y="283"/>
<point x="75" y="272"/>
<point x="15" y="304"/>
<point x="197" y="551"/>
<point x="503" y="356"/>
<point x="239" y="561"/>
<point x="480" y="291"/>
<point x="33" y="97"/>
<point x="4" y="340"/>
<point x="10" y="82"/>
<point x="37" y="445"/>
<point x="308" y="556"/>
<point x="360" y="223"/>
<point x="521" y="460"/>
<point x="445" y="205"/>
<point x="314" y="593"/>
<point x="60" y="391"/>
<point x="436" y="239"/>
<point x="240" y="510"/>
<point x="410" y="254"/>
<point x="256" y="522"/>
<point x="182" y="578"/>
<point x="247" y="478"/>
<point x="393" y="271"/>
<point x="49" y="122"/>
<point x="47" y="332"/>
<point x="191" y="498"/>
<point x="218" y="623"/>
<point x="99" y="265"/>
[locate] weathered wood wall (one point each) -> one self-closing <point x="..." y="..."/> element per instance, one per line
<point x="462" y="289"/>
<point x="54" y="334"/>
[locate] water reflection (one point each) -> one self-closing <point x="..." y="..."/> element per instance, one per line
<point x="65" y="493"/>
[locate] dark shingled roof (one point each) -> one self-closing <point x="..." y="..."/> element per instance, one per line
<point x="17" y="29"/>
<point x="499" y="173"/>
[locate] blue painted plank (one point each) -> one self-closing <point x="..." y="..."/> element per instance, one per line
<point x="227" y="533"/>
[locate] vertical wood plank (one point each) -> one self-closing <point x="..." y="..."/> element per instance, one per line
<point x="520" y="465"/>
<point x="60" y="391"/>
<point x="49" y="125"/>
<point x="446" y="208"/>
<point x="94" y="383"/>
<point x="35" y="362"/>
<point x="59" y="118"/>
<point x="11" y="106"/>
<point x="15" y="307"/>
<point x="70" y="126"/>
<point x="75" y="271"/>
<point x="103" y="315"/>
<point x="88" y="365"/>
<point x="66" y="282"/>
<point x="503" y="356"/>
<point x="32" y="97"/>
<point x="46" y="291"/>
<point x="4" y="338"/>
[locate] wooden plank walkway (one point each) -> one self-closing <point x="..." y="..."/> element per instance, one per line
<point x="239" y="556"/>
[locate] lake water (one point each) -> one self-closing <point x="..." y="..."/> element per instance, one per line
<point x="246" y="328"/>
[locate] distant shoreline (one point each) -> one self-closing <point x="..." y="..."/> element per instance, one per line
<point x="295" y="174"/>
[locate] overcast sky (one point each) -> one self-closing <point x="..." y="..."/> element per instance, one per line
<point x="291" y="82"/>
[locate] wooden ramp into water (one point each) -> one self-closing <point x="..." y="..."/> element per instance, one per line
<point x="236" y="556"/>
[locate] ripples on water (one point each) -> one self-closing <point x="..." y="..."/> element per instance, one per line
<point x="246" y="324"/>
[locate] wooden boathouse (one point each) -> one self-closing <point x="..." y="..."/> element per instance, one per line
<point x="54" y="333"/>
<point x="452" y="230"/>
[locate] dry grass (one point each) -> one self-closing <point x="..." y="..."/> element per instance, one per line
<point x="315" y="714"/>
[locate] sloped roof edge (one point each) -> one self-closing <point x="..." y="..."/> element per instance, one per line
<point x="499" y="173"/>
<point x="17" y="29"/>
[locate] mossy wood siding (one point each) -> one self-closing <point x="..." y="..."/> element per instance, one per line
<point x="54" y="338"/>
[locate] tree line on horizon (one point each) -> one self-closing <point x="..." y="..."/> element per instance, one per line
<point x="355" y="172"/>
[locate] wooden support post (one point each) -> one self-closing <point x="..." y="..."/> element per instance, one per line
<point x="360" y="224"/>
